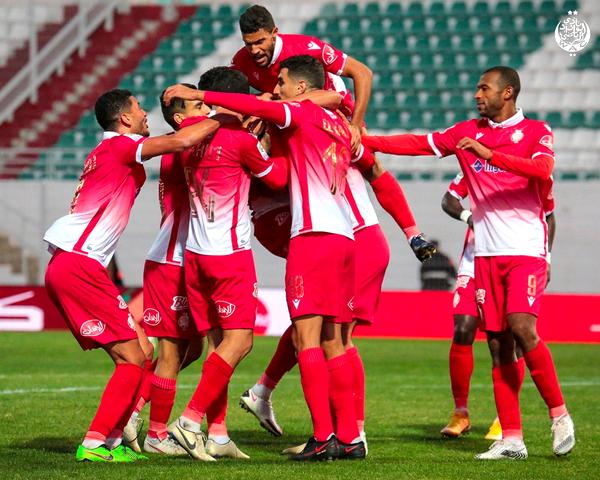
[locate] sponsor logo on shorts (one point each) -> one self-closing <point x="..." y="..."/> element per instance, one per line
<point x="530" y="300"/>
<point x="281" y="218"/>
<point x="183" y="321"/>
<point x="224" y="309"/>
<point x="296" y="302"/>
<point x="179" y="303"/>
<point x="152" y="317"/>
<point x="462" y="281"/>
<point x="92" y="328"/>
<point x="456" y="299"/>
<point x="122" y="302"/>
<point x="329" y="55"/>
<point x="130" y="322"/>
<point x="480" y="296"/>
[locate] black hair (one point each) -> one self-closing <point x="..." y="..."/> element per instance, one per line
<point x="224" y="79"/>
<point x="508" y="77"/>
<point x="307" y="68"/>
<point x="255" y="18"/>
<point x="177" y="105"/>
<point x="110" y="105"/>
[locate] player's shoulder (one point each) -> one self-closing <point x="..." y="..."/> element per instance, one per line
<point x="241" y="58"/>
<point x="301" y="43"/>
<point x="537" y="125"/>
<point x="121" y="142"/>
<point x="465" y="127"/>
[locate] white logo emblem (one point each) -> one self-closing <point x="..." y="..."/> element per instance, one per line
<point x="224" y="309"/>
<point x="313" y="46"/>
<point x="351" y="304"/>
<point x="480" y="296"/>
<point x="179" y="303"/>
<point x="92" y="328"/>
<point x="296" y="302"/>
<point x="152" y="317"/>
<point x="478" y="135"/>
<point x="517" y="136"/>
<point x="547" y="141"/>
<point x="256" y="75"/>
<point x="572" y="34"/>
<point x="130" y="322"/>
<point x="530" y="300"/>
<point x="329" y="55"/>
<point x="183" y="321"/>
<point x="122" y="302"/>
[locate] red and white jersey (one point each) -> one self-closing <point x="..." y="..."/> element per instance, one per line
<point x="264" y="79"/>
<point x="169" y="245"/>
<point x="112" y="177"/>
<point x="318" y="146"/>
<point x="218" y="173"/>
<point x="361" y="208"/>
<point x="508" y="214"/>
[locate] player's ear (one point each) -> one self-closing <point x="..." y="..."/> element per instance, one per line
<point x="301" y="87"/>
<point x="125" y="119"/>
<point x="178" y="118"/>
<point x="275" y="31"/>
<point x="509" y="92"/>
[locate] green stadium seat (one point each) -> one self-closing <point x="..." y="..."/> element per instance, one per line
<point x="440" y="25"/>
<point x="67" y="139"/>
<point x="576" y="120"/>
<point x="203" y="11"/>
<point x="548" y="24"/>
<point x="329" y="10"/>
<point x="481" y="9"/>
<point x="312" y="28"/>
<point x="414" y="121"/>
<point x="224" y="12"/>
<point x="458" y="8"/>
<point x="525" y="6"/>
<point x="433" y="102"/>
<point x="415" y="9"/>
<point x="396" y="26"/>
<point x="554" y="119"/>
<point x="484" y="24"/>
<point x="436" y="121"/>
<point x="411" y="102"/>
<point x="532" y="115"/>
<point x="502" y="8"/>
<point x="462" y="25"/>
<point x="549" y="6"/>
<point x="407" y="81"/>
<point x="595" y="121"/>
<point x="332" y="26"/>
<point x="569" y="5"/>
<point x="393" y="10"/>
<point x="372" y="10"/>
<point x="506" y="25"/>
<point x="437" y="9"/>
<point x="350" y="10"/>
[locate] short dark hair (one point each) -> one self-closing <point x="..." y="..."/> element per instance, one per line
<point x="110" y="105"/>
<point x="307" y="68"/>
<point x="508" y="76"/>
<point x="255" y="18"/>
<point x="177" y="105"/>
<point x="224" y="79"/>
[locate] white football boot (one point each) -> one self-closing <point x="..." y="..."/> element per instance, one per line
<point x="229" y="449"/>
<point x="505" y="450"/>
<point x="131" y="433"/>
<point x="563" y="435"/>
<point x="263" y="410"/>
<point x="166" y="446"/>
<point x="192" y="442"/>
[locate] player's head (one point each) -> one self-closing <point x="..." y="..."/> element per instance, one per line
<point x="258" y="33"/>
<point x="497" y="89"/>
<point x="224" y="79"/>
<point x="178" y="110"/>
<point x="119" y="111"/>
<point x="299" y="74"/>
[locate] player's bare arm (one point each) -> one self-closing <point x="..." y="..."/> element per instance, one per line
<point x="179" y="141"/>
<point x="475" y="147"/>
<point x="362" y="76"/>
<point x="452" y="206"/>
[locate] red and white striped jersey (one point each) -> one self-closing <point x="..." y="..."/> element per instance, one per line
<point x="218" y="173"/>
<point x="169" y="245"/>
<point x="112" y="177"/>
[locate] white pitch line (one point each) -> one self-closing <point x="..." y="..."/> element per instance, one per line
<point x="24" y="391"/>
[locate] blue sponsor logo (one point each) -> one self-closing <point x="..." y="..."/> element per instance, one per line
<point x="477" y="166"/>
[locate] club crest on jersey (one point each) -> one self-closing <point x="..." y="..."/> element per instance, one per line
<point x="547" y="141"/>
<point x="329" y="55"/>
<point x="152" y="317"/>
<point x="224" y="309"/>
<point x="313" y="46"/>
<point x="179" y="303"/>
<point x="480" y="296"/>
<point x="183" y="321"/>
<point x="122" y="302"/>
<point x="92" y="328"/>
<point x="517" y="136"/>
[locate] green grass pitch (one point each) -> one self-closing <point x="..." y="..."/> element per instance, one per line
<point x="49" y="390"/>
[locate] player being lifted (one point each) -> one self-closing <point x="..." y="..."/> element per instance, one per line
<point x="260" y="60"/>
<point x="507" y="160"/>
<point x="82" y="244"/>
<point x="320" y="263"/>
<point x="466" y="316"/>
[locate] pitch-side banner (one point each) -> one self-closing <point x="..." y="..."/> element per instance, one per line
<point x="564" y="317"/>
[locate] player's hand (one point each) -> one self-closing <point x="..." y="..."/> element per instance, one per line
<point x="475" y="147"/>
<point x="356" y="133"/>
<point x="181" y="91"/>
<point x="266" y="96"/>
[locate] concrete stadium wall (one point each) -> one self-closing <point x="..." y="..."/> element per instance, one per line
<point x="28" y="208"/>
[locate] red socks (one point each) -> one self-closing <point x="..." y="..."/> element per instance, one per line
<point x="314" y="377"/>
<point x="507" y="381"/>
<point x="541" y="367"/>
<point x="358" y="370"/>
<point x="341" y="397"/>
<point x="117" y="400"/>
<point x="461" y="369"/>
<point x="391" y="197"/>
<point x="216" y="374"/>
<point x="215" y="415"/>
<point x="163" y="398"/>
<point x="282" y="362"/>
<point x="145" y="388"/>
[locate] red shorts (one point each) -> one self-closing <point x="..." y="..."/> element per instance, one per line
<point x="464" y="297"/>
<point x="508" y="284"/>
<point x="319" y="276"/>
<point x="372" y="259"/>
<point x="221" y="290"/>
<point x="166" y="310"/>
<point x="272" y="230"/>
<point x="90" y="302"/>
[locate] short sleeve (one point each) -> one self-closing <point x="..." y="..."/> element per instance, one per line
<point x="254" y="157"/>
<point x="333" y="60"/>
<point x="444" y="143"/>
<point x="458" y="187"/>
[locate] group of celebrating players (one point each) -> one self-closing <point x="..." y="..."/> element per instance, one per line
<point x="293" y="162"/>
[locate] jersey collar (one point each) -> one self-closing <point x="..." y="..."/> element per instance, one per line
<point x="107" y="135"/>
<point x="509" y="122"/>
<point x="276" y="50"/>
